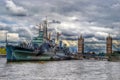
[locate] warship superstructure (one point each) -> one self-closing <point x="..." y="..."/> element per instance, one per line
<point x="43" y="48"/>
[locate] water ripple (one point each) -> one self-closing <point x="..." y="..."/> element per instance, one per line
<point x="60" y="70"/>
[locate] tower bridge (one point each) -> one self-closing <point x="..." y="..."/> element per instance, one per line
<point x="109" y="45"/>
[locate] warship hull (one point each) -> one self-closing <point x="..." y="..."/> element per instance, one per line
<point x="15" y="53"/>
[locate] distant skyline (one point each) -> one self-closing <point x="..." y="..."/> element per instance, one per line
<point x="92" y="18"/>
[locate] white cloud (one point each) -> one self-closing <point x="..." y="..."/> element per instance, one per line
<point x="104" y="29"/>
<point x="13" y="36"/>
<point x="116" y="6"/>
<point x="16" y="10"/>
<point x="101" y="34"/>
<point x="10" y="36"/>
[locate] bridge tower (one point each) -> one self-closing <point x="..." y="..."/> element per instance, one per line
<point x="80" y="44"/>
<point x="109" y="45"/>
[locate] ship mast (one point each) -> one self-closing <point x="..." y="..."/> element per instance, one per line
<point x="40" y="28"/>
<point x="6" y="39"/>
<point x="45" y="28"/>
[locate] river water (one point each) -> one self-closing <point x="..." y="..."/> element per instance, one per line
<point x="60" y="70"/>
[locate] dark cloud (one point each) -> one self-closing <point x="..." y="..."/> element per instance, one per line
<point x="69" y="34"/>
<point x="55" y="22"/>
<point x="88" y="35"/>
<point x="24" y="33"/>
<point x="93" y="18"/>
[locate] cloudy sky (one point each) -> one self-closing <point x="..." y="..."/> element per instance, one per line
<point x="92" y="18"/>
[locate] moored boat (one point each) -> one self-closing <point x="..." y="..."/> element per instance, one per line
<point x="41" y="49"/>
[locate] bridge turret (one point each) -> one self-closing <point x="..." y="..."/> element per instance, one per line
<point x="80" y="44"/>
<point x="109" y="44"/>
